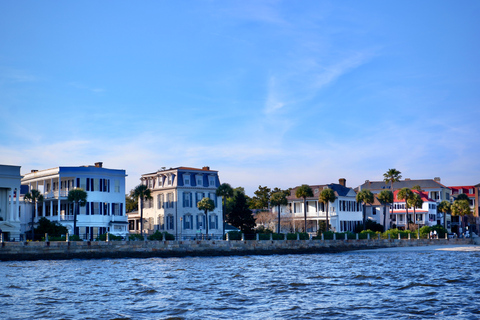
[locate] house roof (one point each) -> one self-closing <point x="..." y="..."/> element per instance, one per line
<point x="423" y="196"/>
<point x="455" y="190"/>
<point x="381" y="185"/>
<point x="204" y="169"/>
<point x="340" y="191"/>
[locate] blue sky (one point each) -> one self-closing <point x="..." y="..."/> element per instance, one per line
<point x="275" y="93"/>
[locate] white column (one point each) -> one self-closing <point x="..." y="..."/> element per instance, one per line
<point x="51" y="208"/>
<point x="59" y="192"/>
<point x="17" y="206"/>
<point x="10" y="216"/>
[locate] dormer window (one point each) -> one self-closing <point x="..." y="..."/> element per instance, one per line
<point x="211" y="181"/>
<point x="186" y="179"/>
<point x="199" y="180"/>
<point x="169" y="179"/>
<point x="160" y="181"/>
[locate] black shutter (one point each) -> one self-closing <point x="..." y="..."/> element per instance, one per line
<point x="88" y="207"/>
<point x="108" y="181"/>
<point x="121" y="209"/>
<point x="88" y="184"/>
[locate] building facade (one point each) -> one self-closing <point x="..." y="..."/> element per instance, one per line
<point x="173" y="208"/>
<point x="471" y="223"/>
<point x="344" y="214"/>
<point x="105" y="208"/>
<point x="9" y="202"/>
<point x="424" y="216"/>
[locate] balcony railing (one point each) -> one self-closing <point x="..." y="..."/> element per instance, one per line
<point x="56" y="194"/>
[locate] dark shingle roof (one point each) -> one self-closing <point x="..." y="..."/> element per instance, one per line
<point x="340" y="191"/>
<point x="381" y="185"/>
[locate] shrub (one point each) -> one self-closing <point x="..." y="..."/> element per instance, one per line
<point x="135" y="237"/>
<point x="111" y="237"/>
<point x="235" y="235"/>
<point x="157" y="236"/>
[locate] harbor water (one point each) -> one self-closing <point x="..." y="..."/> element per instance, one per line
<point x="396" y="283"/>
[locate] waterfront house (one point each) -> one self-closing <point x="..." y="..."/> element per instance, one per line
<point x="471" y="222"/>
<point x="9" y="201"/>
<point x="105" y="208"/>
<point x="173" y="207"/>
<point x="345" y="213"/>
<point x="424" y="216"/>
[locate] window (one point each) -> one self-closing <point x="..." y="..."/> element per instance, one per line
<point x="169" y="179"/>
<point x="213" y="222"/>
<point x="200" y="221"/>
<point x="170" y="222"/>
<point x="95" y="208"/>
<point x="188" y="222"/>
<point x="150" y="183"/>
<point x="186" y="179"/>
<point x="187" y="199"/>
<point x="199" y="181"/>
<point x="96" y="184"/>
<point x="211" y="181"/>
<point x="160" y="181"/>
<point x="470" y="191"/>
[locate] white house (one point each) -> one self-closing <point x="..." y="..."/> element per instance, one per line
<point x="105" y="208"/>
<point x="9" y="202"/>
<point x="175" y="193"/>
<point x="345" y="213"/>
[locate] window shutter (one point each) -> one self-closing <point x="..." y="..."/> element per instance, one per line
<point x="88" y="184"/>
<point x="216" y="222"/>
<point x="88" y="207"/>
<point x="198" y="227"/>
<point x="91" y="184"/>
<point x="78" y="183"/>
<point x="191" y="196"/>
<point x="108" y="182"/>
<point x="183" y="195"/>
<point x="121" y="209"/>
<point x="92" y="204"/>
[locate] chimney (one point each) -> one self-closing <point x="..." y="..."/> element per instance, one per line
<point x="206" y="168"/>
<point x="98" y="164"/>
<point x="407" y="179"/>
<point x="342" y="181"/>
<point x="33" y="170"/>
<point x="437" y="179"/>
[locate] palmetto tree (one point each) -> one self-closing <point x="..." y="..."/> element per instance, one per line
<point x="385" y="197"/>
<point x="225" y="191"/>
<point x="444" y="207"/>
<point x="206" y="204"/>
<point x="278" y="199"/>
<point x="391" y="176"/>
<point x="143" y="193"/>
<point x="365" y="197"/>
<point x="33" y="197"/>
<point x="415" y="201"/>
<point x="79" y="198"/>
<point x="304" y="191"/>
<point x="405" y="194"/>
<point x="326" y="196"/>
<point x="461" y="208"/>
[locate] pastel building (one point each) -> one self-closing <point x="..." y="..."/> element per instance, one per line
<point x="424" y="216"/>
<point x="9" y="202"/>
<point x="105" y="208"/>
<point x="345" y="213"/>
<point x="471" y="223"/>
<point x="175" y="193"/>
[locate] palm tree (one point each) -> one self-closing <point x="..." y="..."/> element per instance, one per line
<point x="33" y="197"/>
<point x="391" y="176"/>
<point x="279" y="199"/>
<point x="385" y="197"/>
<point x="79" y="197"/>
<point x="405" y="194"/>
<point x="225" y="191"/>
<point x="327" y="196"/>
<point x="461" y="208"/>
<point x="365" y="197"/>
<point x="415" y="201"/>
<point x="444" y="207"/>
<point x="206" y="204"/>
<point x="304" y="191"/>
<point x="143" y="193"/>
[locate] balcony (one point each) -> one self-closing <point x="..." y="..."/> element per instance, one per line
<point x="55" y="194"/>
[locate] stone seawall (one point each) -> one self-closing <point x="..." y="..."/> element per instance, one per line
<point x="132" y="249"/>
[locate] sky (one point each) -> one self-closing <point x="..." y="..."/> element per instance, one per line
<point x="271" y="93"/>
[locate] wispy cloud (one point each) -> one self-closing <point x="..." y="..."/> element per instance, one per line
<point x="16" y="76"/>
<point x="84" y="87"/>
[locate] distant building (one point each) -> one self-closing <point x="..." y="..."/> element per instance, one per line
<point x="9" y="202"/>
<point x="175" y="193"/>
<point x="105" y="208"/>
<point x="345" y="213"/>
<point x="472" y="223"/>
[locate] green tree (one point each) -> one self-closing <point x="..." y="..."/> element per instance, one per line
<point x="131" y="202"/>
<point x="260" y="200"/>
<point x="461" y="208"/>
<point x="391" y="176"/>
<point x="206" y="204"/>
<point x="326" y="196"/>
<point x="417" y="187"/>
<point x="444" y="207"/>
<point x="462" y="196"/>
<point x="364" y="197"/>
<point x="415" y="201"/>
<point x="225" y="191"/>
<point x="79" y="197"/>
<point x="405" y="194"/>
<point x="143" y="193"/>
<point x="53" y="228"/>
<point x="33" y="197"/>
<point x="241" y="216"/>
<point x="279" y="199"/>
<point x="304" y="191"/>
<point x="385" y="197"/>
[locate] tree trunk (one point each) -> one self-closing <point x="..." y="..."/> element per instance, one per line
<point x="224" y="214"/>
<point x="305" y="214"/>
<point x="33" y="221"/>
<point x="326" y="212"/>
<point x="384" y="217"/>
<point x="75" y="218"/>
<point x="406" y="216"/>
<point x="364" y="214"/>
<point x="206" y="222"/>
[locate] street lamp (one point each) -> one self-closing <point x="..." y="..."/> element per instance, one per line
<point x="181" y="228"/>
